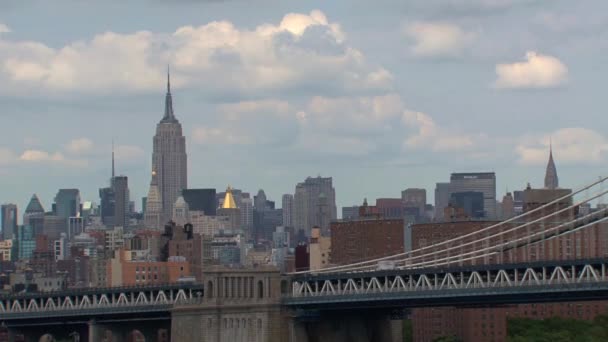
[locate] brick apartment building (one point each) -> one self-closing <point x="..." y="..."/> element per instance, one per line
<point x="123" y="270"/>
<point x="366" y="238"/>
<point x="490" y="323"/>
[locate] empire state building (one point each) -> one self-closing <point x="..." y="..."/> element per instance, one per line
<point x="169" y="159"/>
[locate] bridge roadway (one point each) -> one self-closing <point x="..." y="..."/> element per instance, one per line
<point x="108" y="303"/>
<point x="454" y="286"/>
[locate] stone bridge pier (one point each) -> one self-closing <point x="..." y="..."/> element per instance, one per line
<point x="239" y="305"/>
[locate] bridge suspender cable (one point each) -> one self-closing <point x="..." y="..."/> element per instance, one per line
<point x="390" y="257"/>
<point x="400" y="261"/>
<point x="448" y="260"/>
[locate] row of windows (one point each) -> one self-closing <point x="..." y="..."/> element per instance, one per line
<point x="143" y="277"/>
<point x="143" y="269"/>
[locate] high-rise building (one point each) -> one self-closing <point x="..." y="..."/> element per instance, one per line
<point x="442" y="199"/>
<point x="120" y="187"/>
<point x="551" y="179"/>
<point x="508" y="207"/>
<point x="181" y="212"/>
<point x="393" y="208"/>
<point x="237" y="195"/>
<point x="231" y="211"/>
<point x="246" y="207"/>
<point x="314" y="204"/>
<point x="201" y="200"/>
<point x="169" y="159"/>
<point x="484" y="182"/>
<point x="287" y="205"/>
<point x="153" y="214"/>
<point x="350" y="213"/>
<point x="67" y="203"/>
<point x="9" y="221"/>
<point x="470" y="201"/>
<point x="34" y="215"/>
<point x="53" y="226"/>
<point x="260" y="201"/>
<point x="270" y="220"/>
<point x="518" y="202"/>
<point x="414" y="198"/>
<point x="26" y="242"/>
<point x="75" y="227"/>
<point x="107" y="206"/>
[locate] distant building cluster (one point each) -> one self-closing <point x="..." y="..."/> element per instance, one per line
<point x="180" y="231"/>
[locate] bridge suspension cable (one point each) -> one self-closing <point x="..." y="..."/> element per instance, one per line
<point x="488" y="237"/>
<point x="346" y="268"/>
<point x="448" y="260"/>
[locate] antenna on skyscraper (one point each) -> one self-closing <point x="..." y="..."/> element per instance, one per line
<point x="113" y="174"/>
<point x="168" y="80"/>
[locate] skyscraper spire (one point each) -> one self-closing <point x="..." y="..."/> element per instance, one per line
<point x="169" y="117"/>
<point x="551" y="179"/>
<point x="113" y="173"/>
<point x="168" y="80"/>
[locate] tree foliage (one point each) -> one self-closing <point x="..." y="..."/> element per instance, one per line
<point x="558" y="330"/>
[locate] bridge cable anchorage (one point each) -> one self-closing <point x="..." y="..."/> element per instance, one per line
<point x="371" y="263"/>
<point x="528" y="237"/>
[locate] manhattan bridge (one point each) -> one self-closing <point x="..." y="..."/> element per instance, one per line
<point x="553" y="252"/>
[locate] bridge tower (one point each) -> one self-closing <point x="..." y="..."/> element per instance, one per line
<point x="237" y="305"/>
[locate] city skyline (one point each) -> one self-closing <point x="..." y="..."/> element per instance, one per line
<point x="289" y="127"/>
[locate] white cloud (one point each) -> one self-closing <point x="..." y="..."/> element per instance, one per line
<point x="40" y="156"/>
<point x="302" y="51"/>
<point x="4" y="29"/>
<point x="364" y="114"/>
<point x="438" y="39"/>
<point x="538" y="71"/>
<point x="430" y="136"/>
<point x="570" y="145"/>
<point x="260" y="122"/>
<point x="79" y="146"/>
<point x="351" y="126"/>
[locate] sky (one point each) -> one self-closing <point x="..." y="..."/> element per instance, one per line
<point x="380" y="95"/>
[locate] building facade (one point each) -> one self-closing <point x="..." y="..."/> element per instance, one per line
<point x="414" y="197"/>
<point x="67" y="203"/>
<point x="120" y="188"/>
<point x="442" y="199"/>
<point x="9" y="221"/>
<point x="201" y="200"/>
<point x="484" y="182"/>
<point x="287" y="206"/>
<point x="169" y="159"/>
<point x="314" y="204"/>
<point x="154" y="211"/>
<point x="366" y="238"/>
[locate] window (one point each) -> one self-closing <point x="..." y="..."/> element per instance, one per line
<point x="260" y="289"/>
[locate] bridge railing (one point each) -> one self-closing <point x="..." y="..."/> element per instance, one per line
<point x="510" y="276"/>
<point x="126" y="297"/>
